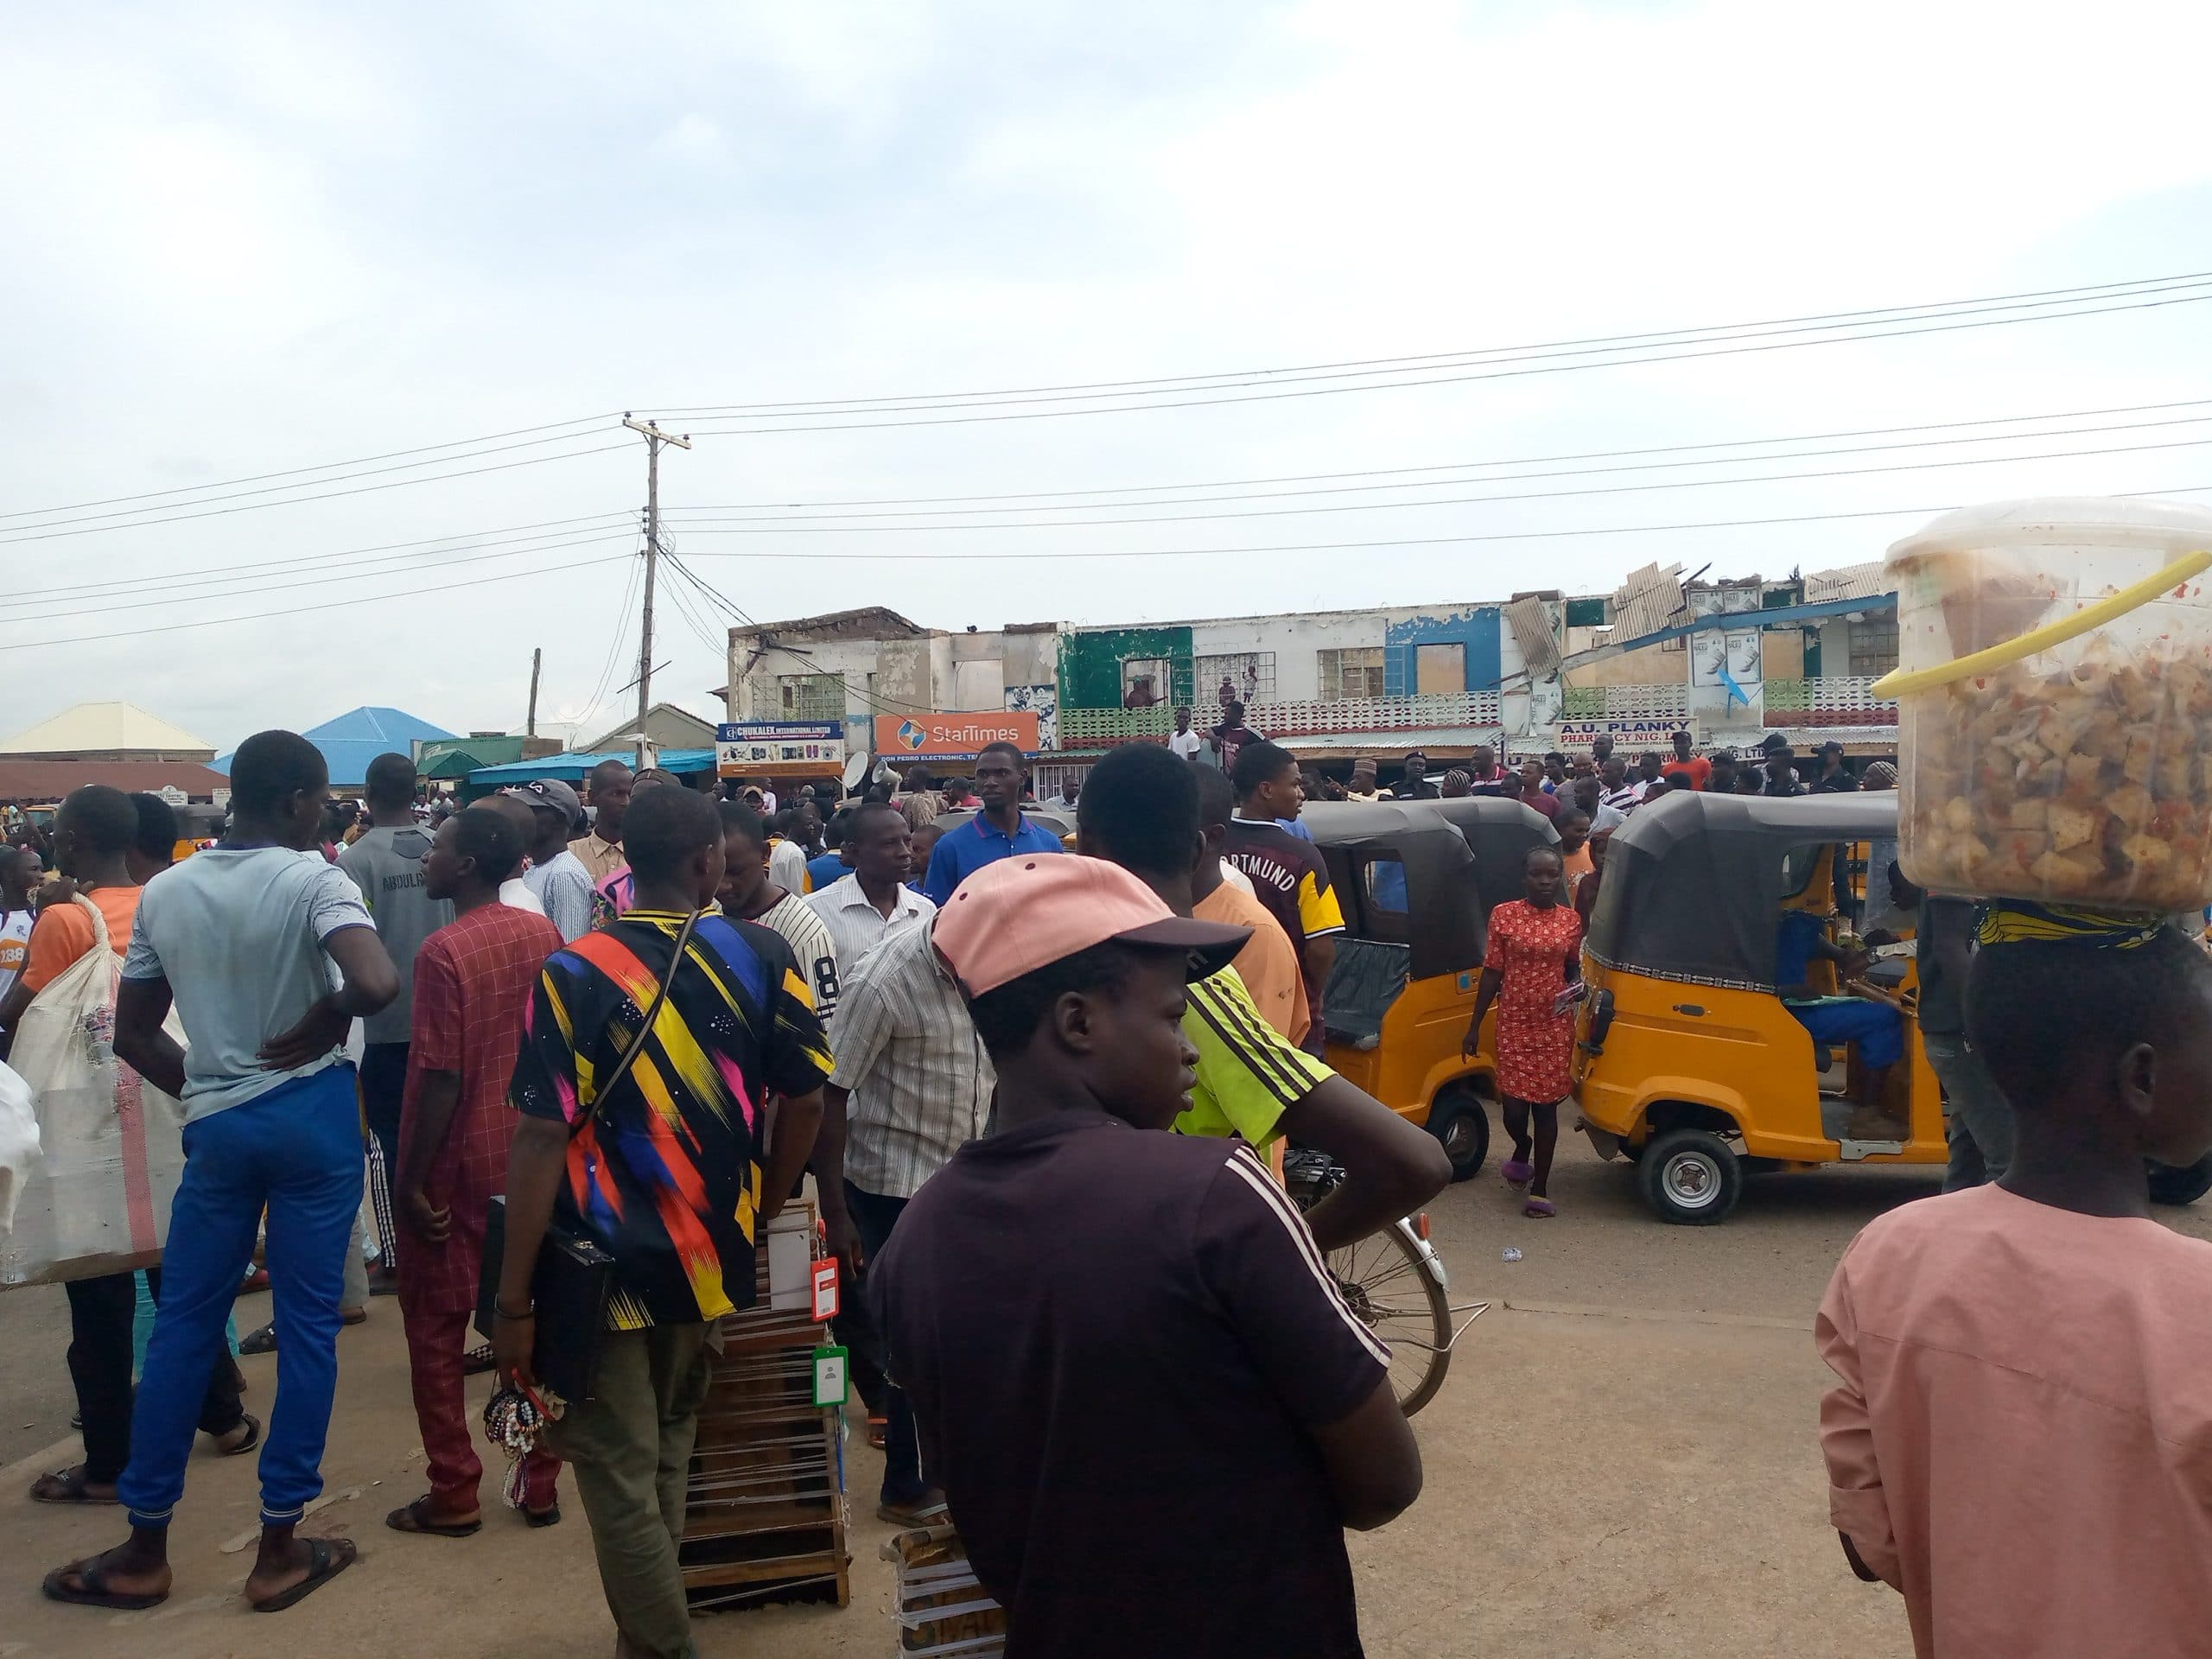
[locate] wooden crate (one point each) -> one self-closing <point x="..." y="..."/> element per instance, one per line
<point x="766" y="1514"/>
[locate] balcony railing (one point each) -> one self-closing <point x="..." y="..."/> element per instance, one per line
<point x="1315" y="718"/>
<point x="1626" y="702"/>
<point x="1842" y="700"/>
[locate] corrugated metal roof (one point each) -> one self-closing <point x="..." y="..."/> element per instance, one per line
<point x="103" y="728"/>
<point x="1866" y="581"/>
<point x="1532" y="632"/>
<point x="1646" y="601"/>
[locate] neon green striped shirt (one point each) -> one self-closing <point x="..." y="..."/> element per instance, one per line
<point x="1249" y="1073"/>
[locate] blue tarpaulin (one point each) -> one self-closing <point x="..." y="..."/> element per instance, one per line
<point x="573" y="767"/>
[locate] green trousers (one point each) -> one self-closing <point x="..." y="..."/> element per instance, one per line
<point x="631" y="1451"/>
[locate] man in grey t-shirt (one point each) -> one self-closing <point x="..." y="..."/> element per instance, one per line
<point x="386" y="864"/>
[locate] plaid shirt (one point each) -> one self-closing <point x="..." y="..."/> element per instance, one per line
<point x="473" y="982"/>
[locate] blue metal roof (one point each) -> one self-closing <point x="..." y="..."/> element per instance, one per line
<point x="355" y="738"/>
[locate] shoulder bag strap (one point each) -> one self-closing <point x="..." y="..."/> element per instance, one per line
<point x="600" y="1092"/>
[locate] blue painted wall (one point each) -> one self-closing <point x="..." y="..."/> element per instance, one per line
<point x="1476" y="629"/>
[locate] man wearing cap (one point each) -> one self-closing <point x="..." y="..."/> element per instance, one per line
<point x="1835" y="777"/>
<point x="556" y="878"/>
<point x="1119" y="1341"/>
<point x="1781" y="771"/>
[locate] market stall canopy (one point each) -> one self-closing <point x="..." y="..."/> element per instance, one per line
<point x="1694" y="883"/>
<point x="574" y="768"/>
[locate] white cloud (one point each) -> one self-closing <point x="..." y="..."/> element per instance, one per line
<point x="275" y="237"/>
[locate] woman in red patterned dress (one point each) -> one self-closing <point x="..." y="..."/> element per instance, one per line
<point x="1536" y="953"/>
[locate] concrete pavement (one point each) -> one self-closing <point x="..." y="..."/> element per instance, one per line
<point x="1621" y="1463"/>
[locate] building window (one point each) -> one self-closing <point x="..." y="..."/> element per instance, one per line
<point x="1351" y="674"/>
<point x="1873" y="645"/>
<point x="1250" y="676"/>
<point x="810" y="697"/>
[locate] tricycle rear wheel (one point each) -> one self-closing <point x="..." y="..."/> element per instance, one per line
<point x="1690" y="1176"/>
<point x="1458" y="1119"/>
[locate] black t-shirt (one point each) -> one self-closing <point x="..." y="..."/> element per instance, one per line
<point x="1117" y="1343"/>
<point x="1940" y="946"/>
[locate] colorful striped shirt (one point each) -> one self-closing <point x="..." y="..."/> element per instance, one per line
<point x="664" y="1174"/>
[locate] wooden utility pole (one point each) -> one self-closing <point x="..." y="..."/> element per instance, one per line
<point x="536" y="661"/>
<point x="654" y="438"/>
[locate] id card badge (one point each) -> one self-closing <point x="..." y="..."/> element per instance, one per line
<point x="825" y="1289"/>
<point x="831" y="1377"/>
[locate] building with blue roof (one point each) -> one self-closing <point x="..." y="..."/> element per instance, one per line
<point x="353" y="739"/>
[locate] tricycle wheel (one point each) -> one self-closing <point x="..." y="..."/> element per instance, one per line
<point x="2184" y="1185"/>
<point x="1690" y="1176"/>
<point x="1457" y="1120"/>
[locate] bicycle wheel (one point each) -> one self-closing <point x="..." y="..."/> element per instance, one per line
<point x="1382" y="1278"/>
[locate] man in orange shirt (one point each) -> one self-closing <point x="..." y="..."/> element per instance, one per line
<point x="92" y="836"/>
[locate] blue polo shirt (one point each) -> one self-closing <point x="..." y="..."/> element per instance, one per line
<point x="960" y="853"/>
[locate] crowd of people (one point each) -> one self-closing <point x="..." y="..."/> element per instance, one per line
<point x="1037" y="1089"/>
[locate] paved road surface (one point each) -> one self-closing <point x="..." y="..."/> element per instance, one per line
<point x="1621" y="1463"/>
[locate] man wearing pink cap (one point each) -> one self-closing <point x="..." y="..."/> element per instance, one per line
<point x="1117" y="1341"/>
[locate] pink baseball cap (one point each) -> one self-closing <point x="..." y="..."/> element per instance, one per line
<point x="1022" y="913"/>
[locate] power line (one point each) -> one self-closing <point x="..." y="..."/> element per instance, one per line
<point x="297" y="610"/>
<point x="106" y="607"/>
<point x="1456" y="466"/>
<point x="326" y="466"/>
<point x="37" y="533"/>
<point x="1410" y="541"/>
<point x="614" y="644"/>
<point x="1448" y="380"/>
<point x="2048" y="296"/>
<point x="169" y="581"/>
<point x="710" y="528"/>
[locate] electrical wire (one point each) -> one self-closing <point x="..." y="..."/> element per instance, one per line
<point x="171" y="582"/>
<point x="1033" y="505"/>
<point x="1438" y="380"/>
<point x="614" y="644"/>
<point x="1456" y="466"/>
<point x="107" y="607"/>
<point x="46" y="532"/>
<point x="297" y="610"/>
<point x="2047" y="296"/>
<point x="711" y="529"/>
<point x="1334" y="547"/>
<point x="326" y="466"/>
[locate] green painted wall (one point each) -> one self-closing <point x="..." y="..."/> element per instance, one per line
<point x="1090" y="663"/>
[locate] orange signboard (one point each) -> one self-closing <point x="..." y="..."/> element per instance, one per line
<point x="953" y="736"/>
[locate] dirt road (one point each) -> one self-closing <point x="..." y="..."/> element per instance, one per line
<point x="1622" y="1462"/>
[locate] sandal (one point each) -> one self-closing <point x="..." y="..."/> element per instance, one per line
<point x="416" y="1517"/>
<point x="925" y="1512"/>
<point x="67" y="1486"/>
<point x="1540" y="1209"/>
<point x="252" y="1439"/>
<point x="90" y="1589"/>
<point x="1516" y="1172"/>
<point x="327" y="1559"/>
<point x="879" y="1431"/>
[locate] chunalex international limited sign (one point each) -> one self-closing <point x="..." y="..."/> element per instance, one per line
<point x="953" y="737"/>
<point x="764" y="748"/>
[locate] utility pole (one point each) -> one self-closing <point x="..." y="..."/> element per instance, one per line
<point x="654" y="438"/>
<point x="536" y="661"/>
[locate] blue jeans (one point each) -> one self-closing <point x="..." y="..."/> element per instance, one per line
<point x="296" y="1151"/>
<point x="873" y="1217"/>
<point x="1978" y="1122"/>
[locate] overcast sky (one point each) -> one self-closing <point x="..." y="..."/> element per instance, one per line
<point x="245" y="239"/>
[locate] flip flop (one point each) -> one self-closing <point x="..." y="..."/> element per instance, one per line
<point x="416" y="1517"/>
<point x="327" y="1559"/>
<point x="90" y="1589"/>
<point x="1516" y="1173"/>
<point x="878" y="1431"/>
<point x="1540" y="1209"/>
<point x="252" y="1439"/>
<point x="65" y="1486"/>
